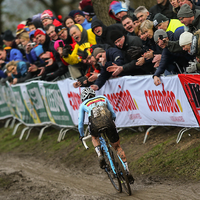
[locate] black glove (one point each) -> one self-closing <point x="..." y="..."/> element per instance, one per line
<point x="135" y="52"/>
<point x="67" y="49"/>
<point x="81" y="138"/>
<point x="83" y="54"/>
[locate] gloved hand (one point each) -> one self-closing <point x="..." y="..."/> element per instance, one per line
<point x="83" y="54"/>
<point x="67" y="49"/>
<point x="135" y="52"/>
<point x="81" y="138"/>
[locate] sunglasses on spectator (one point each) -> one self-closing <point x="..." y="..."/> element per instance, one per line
<point x="181" y="18"/>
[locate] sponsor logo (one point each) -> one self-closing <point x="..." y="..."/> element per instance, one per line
<point x="122" y="101"/>
<point x="162" y="101"/>
<point x="74" y="100"/>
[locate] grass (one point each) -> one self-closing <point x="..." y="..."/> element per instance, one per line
<point x="160" y="156"/>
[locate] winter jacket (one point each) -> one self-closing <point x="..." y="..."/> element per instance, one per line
<point x="168" y="58"/>
<point x="113" y="55"/>
<point x="13" y="54"/>
<point x="165" y="10"/>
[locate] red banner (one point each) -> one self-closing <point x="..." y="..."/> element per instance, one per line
<point x="191" y="86"/>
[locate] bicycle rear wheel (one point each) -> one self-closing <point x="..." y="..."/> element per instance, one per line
<point x="122" y="174"/>
<point x="114" y="179"/>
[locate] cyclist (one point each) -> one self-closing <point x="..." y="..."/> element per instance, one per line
<point x="101" y="115"/>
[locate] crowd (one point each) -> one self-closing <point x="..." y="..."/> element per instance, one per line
<point x="163" y="40"/>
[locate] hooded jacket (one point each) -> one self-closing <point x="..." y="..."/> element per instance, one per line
<point x="106" y="30"/>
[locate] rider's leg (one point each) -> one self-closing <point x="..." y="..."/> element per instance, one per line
<point x="122" y="155"/>
<point x="119" y="150"/>
<point x="96" y="144"/>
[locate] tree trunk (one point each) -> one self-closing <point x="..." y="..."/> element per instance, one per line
<point x="101" y="8"/>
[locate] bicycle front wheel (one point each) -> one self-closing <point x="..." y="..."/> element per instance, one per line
<point x="114" y="179"/>
<point x="122" y="174"/>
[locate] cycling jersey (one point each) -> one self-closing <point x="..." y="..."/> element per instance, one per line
<point x="95" y="107"/>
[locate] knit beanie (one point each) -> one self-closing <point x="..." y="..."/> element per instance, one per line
<point x="39" y="31"/>
<point x="45" y="16"/>
<point x="58" y="43"/>
<point x="85" y="3"/>
<point x="159" y="34"/>
<point x="185" y="11"/>
<point x="97" y="51"/>
<point x="58" y="29"/>
<point x="185" y="38"/>
<point x="49" y="12"/>
<point x="73" y="13"/>
<point x="38" y="50"/>
<point x="8" y="36"/>
<point x="115" y="34"/>
<point x="159" y="18"/>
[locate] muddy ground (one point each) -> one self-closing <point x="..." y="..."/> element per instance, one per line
<point x="28" y="176"/>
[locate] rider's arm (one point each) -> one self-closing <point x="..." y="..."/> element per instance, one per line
<point x="81" y="120"/>
<point x="111" y="109"/>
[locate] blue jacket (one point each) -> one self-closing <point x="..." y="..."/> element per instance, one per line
<point x="21" y="70"/>
<point x="86" y="25"/>
<point x="13" y="54"/>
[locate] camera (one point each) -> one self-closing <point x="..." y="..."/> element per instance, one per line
<point x="32" y="44"/>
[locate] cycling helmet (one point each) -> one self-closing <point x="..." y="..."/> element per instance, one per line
<point x="87" y="93"/>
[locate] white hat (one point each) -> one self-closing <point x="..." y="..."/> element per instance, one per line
<point x="185" y="38"/>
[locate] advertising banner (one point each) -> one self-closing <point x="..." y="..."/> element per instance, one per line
<point x="24" y="109"/>
<point x="56" y="105"/>
<point x="137" y="101"/>
<point x="191" y="86"/>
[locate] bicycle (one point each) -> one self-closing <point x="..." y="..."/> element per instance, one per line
<point x="114" y="166"/>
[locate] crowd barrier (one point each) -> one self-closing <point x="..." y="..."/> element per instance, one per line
<point x="135" y="99"/>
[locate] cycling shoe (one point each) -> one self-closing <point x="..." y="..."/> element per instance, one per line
<point x="102" y="162"/>
<point x="130" y="178"/>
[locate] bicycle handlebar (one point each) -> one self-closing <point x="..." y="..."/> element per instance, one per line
<point x="84" y="141"/>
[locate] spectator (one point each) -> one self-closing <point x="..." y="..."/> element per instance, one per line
<point x="190" y="3"/>
<point x="31" y="26"/>
<point x="9" y="39"/>
<point x="119" y="9"/>
<point x="169" y="61"/>
<point x="162" y="22"/>
<point x="63" y="34"/>
<point x="142" y="14"/>
<point x="8" y="54"/>
<point x="79" y="18"/>
<point x="190" y="43"/>
<point x="68" y="21"/>
<point x="129" y="24"/>
<point x="46" y="19"/>
<point x="84" y="39"/>
<point x="164" y="7"/>
<point x="88" y="11"/>
<point x="189" y="18"/>
<point x="153" y="50"/>
<point x="106" y="59"/>
<point x="124" y="43"/>
<point x="175" y="5"/>
<point x="102" y="32"/>
<point x="18" y="70"/>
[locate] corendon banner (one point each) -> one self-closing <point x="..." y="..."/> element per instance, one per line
<point x="191" y="86"/>
<point x="137" y="101"/>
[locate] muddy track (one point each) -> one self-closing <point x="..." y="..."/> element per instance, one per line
<point x="29" y="178"/>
